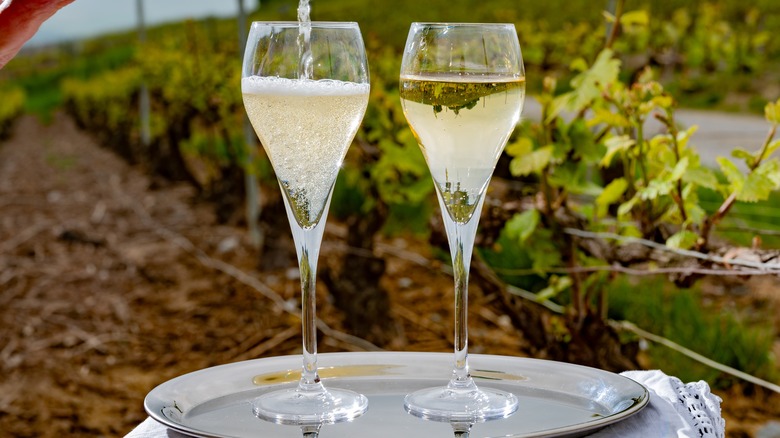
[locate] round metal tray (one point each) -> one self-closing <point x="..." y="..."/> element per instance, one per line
<point x="556" y="399"/>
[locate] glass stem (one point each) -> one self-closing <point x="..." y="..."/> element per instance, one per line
<point x="461" y="238"/>
<point x="307" y="246"/>
<point x="308" y="268"/>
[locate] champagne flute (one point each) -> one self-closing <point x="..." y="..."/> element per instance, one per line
<point x="305" y="87"/>
<point x="462" y="92"/>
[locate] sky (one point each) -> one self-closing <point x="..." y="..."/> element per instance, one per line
<point x="86" y="18"/>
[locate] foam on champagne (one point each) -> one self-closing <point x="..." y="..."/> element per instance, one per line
<point x="306" y="127"/>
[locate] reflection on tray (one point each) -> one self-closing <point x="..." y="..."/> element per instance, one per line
<point x="324" y="372"/>
<point x="293" y="375"/>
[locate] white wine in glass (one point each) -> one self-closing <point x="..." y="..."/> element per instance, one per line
<point x="462" y="90"/>
<point x="306" y="104"/>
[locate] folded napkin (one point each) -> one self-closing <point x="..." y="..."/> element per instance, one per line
<point x="676" y="409"/>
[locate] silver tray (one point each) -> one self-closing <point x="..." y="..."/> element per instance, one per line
<point x="556" y="399"/>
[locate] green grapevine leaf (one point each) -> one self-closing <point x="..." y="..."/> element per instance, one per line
<point x="679" y="170"/>
<point x="664" y="102"/>
<point x="638" y="17"/>
<point x="522" y="147"/>
<point x="655" y="189"/>
<point x="401" y="174"/>
<point x="564" y="144"/>
<point x="744" y="155"/>
<point x="587" y="85"/>
<point x="579" y="64"/>
<point x="760" y="183"/>
<point x="626" y="207"/>
<point x="696" y="214"/>
<point x="772" y="112"/>
<point x="773" y="146"/>
<point x="757" y="188"/>
<point x="629" y="230"/>
<point x="584" y="143"/>
<point x="614" y="145"/>
<point x="534" y="162"/>
<point x="702" y="176"/>
<point x="604" y="71"/>
<point x="682" y="240"/>
<point x="612" y="192"/>
<point x="685" y="135"/>
<point x="771" y="170"/>
<point x="735" y="177"/>
<point x="543" y="250"/>
<point x="522" y="225"/>
<point x="557" y="105"/>
<point x="572" y="176"/>
<point x="555" y="286"/>
<point x="604" y="115"/>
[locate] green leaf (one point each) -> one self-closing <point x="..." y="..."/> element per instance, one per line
<point x="555" y="286"/>
<point x="401" y="174"/>
<point x="664" y="101"/>
<point x="584" y="143"/>
<point x="544" y="253"/>
<point x="701" y="176"/>
<point x="771" y="170"/>
<point x="638" y="17"/>
<point x="655" y="189"/>
<point x="612" y="192"/>
<point x="568" y="175"/>
<point x="772" y="112"/>
<point x="534" y="162"/>
<point x="604" y="115"/>
<point x="757" y="188"/>
<point x="626" y="207"/>
<point x="696" y="214"/>
<point x="679" y="170"/>
<point x="614" y="145"/>
<point x="735" y="177"/>
<point x="629" y="230"/>
<point x="604" y="71"/>
<point x="682" y="240"/>
<point x="579" y="64"/>
<point x="522" y="225"/>
<point x="557" y="106"/>
<point x="744" y="155"/>
<point x="587" y="85"/>
<point x="775" y="145"/>
<point x="685" y="135"/>
<point x="523" y="146"/>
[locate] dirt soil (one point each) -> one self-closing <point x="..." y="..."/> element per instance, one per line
<point x="111" y="283"/>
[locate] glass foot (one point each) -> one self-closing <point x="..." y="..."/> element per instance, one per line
<point x="297" y="407"/>
<point x="458" y="405"/>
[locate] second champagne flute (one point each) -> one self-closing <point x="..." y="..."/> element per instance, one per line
<point x="462" y="92"/>
<point x="305" y="88"/>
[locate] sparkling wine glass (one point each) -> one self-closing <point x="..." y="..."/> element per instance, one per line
<point x="305" y="87"/>
<point x="462" y="92"/>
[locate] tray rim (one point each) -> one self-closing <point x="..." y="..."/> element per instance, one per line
<point x="155" y="410"/>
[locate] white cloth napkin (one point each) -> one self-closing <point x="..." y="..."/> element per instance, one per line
<point x="675" y="410"/>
